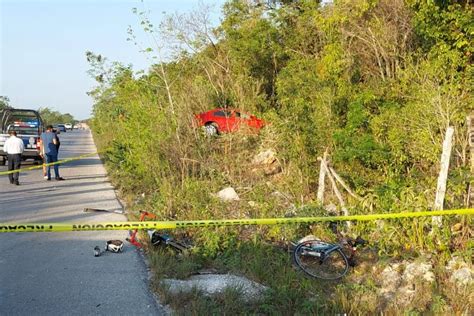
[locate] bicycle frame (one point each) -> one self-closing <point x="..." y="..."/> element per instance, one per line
<point x="322" y="249"/>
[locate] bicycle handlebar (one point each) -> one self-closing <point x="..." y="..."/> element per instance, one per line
<point x="357" y="242"/>
<point x="353" y="243"/>
<point x="360" y="242"/>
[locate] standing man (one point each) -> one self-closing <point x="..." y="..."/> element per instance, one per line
<point x="14" y="147"/>
<point x="50" y="149"/>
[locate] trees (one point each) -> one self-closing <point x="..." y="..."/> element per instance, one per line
<point x="4" y="102"/>
<point x="48" y="115"/>
<point x="375" y="83"/>
<point x="51" y="117"/>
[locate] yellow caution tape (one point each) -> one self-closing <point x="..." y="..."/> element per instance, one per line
<point x="71" y="227"/>
<point x="2" y="173"/>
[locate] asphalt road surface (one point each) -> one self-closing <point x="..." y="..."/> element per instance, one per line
<point x="57" y="273"/>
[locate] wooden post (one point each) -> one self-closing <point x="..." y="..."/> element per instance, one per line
<point x="322" y="177"/>
<point x="443" y="175"/>
<point x="344" y="185"/>
<point x="470" y="137"/>
<point x="336" y="191"/>
<point x="470" y="134"/>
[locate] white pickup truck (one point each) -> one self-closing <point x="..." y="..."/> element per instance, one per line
<point x="28" y="126"/>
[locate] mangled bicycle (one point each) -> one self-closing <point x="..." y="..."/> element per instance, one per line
<point x="157" y="238"/>
<point x="327" y="261"/>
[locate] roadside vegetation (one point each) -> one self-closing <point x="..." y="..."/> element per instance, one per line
<point x="375" y="84"/>
<point x="51" y="117"/>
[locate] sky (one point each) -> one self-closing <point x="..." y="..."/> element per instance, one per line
<point x="43" y="45"/>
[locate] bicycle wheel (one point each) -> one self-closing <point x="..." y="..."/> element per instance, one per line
<point x="318" y="264"/>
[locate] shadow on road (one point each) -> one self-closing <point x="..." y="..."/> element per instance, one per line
<point x="58" y="196"/>
<point x="77" y="216"/>
<point x="82" y="162"/>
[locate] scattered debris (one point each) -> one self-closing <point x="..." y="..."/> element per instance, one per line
<point x="211" y="284"/>
<point x="87" y="210"/>
<point x="158" y="239"/>
<point x="114" y="246"/>
<point x="111" y="245"/>
<point x="228" y="194"/>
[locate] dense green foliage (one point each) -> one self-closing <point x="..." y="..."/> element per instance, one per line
<point x="375" y="83"/>
<point x="4" y="102"/>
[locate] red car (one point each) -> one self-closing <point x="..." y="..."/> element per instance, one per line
<point x="227" y="120"/>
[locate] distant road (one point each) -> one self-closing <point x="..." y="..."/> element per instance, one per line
<point x="56" y="273"/>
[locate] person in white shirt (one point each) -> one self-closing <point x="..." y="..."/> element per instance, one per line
<point x="14" y="147"/>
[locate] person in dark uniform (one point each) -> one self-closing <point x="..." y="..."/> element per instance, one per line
<point x="50" y="143"/>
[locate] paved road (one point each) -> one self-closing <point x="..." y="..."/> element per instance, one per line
<point x="56" y="273"/>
